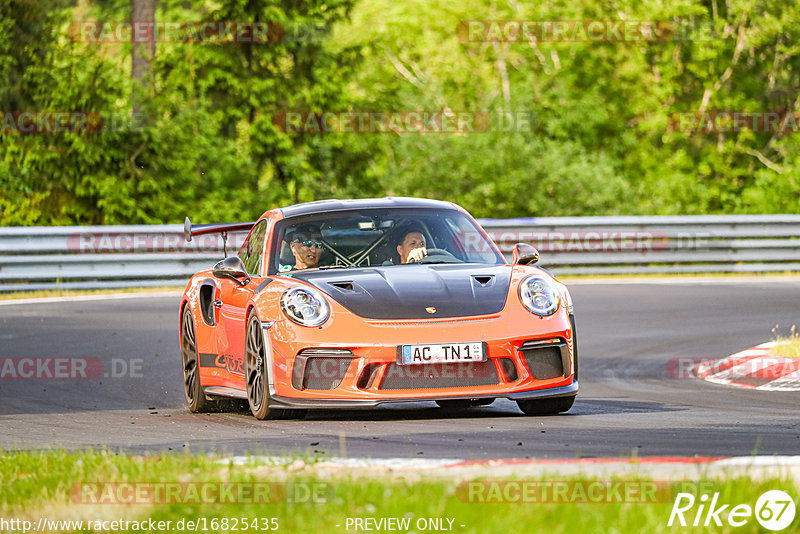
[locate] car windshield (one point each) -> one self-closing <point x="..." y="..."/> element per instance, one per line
<point x="368" y="238"/>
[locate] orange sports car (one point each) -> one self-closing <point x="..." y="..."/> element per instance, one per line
<point x="355" y="303"/>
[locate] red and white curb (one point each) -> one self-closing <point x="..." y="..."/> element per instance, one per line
<point x="754" y="368"/>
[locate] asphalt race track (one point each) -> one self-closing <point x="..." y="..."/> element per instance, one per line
<point x="628" y="403"/>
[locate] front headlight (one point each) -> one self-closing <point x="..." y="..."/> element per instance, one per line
<point x="538" y="295"/>
<point x="305" y="306"/>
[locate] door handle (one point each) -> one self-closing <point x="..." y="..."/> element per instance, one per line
<point x="218" y="303"/>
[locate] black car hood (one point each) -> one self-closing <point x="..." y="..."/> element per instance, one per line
<point x="409" y="291"/>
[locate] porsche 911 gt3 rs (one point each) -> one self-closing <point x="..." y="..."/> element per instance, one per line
<point x="355" y="303"/>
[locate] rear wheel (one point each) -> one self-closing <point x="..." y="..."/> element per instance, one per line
<point x="546" y="406"/>
<point x="192" y="389"/>
<point x="463" y="403"/>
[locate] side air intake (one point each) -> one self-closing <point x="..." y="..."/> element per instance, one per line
<point x="546" y="359"/>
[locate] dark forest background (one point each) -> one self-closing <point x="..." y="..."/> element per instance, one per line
<point x="188" y="126"/>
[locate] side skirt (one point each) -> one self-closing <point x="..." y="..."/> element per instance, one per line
<point x="215" y="392"/>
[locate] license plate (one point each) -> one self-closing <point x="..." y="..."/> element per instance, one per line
<point x="441" y="353"/>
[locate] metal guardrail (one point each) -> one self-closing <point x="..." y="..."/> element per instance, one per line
<point x="657" y="244"/>
<point x="88" y="257"/>
<point x="138" y="256"/>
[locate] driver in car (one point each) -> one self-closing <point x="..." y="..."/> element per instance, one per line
<point x="411" y="245"/>
<point x="306" y="244"/>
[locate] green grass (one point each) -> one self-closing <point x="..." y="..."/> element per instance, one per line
<point x="36" y="484"/>
<point x="786" y="346"/>
<point x="786" y="349"/>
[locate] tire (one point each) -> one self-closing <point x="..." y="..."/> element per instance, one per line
<point x="457" y="404"/>
<point x="255" y="361"/>
<point x="546" y="406"/>
<point x="192" y="389"/>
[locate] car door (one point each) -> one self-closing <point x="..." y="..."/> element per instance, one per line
<point x="230" y="337"/>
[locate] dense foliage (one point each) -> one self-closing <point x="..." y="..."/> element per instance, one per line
<point x="599" y="135"/>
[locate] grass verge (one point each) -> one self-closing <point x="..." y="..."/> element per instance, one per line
<point x="90" y="487"/>
<point x="786" y="348"/>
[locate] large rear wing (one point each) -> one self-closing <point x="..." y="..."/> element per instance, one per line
<point x="190" y="230"/>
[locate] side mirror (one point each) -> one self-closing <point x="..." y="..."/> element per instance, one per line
<point x="232" y="267"/>
<point x="524" y="254"/>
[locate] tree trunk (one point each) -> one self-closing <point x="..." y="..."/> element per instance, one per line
<point x="143" y="51"/>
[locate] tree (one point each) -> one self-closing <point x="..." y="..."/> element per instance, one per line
<point x="142" y="53"/>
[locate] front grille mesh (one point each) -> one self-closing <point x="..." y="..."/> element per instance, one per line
<point x="439" y="375"/>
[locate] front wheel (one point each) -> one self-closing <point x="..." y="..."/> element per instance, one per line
<point x="255" y="359"/>
<point x="546" y="406"/>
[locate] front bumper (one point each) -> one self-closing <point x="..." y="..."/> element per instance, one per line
<point x="287" y="402"/>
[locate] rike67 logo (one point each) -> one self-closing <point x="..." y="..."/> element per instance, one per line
<point x="774" y="510"/>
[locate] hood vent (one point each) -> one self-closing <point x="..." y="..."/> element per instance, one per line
<point x="483" y="280"/>
<point x="344" y="286"/>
